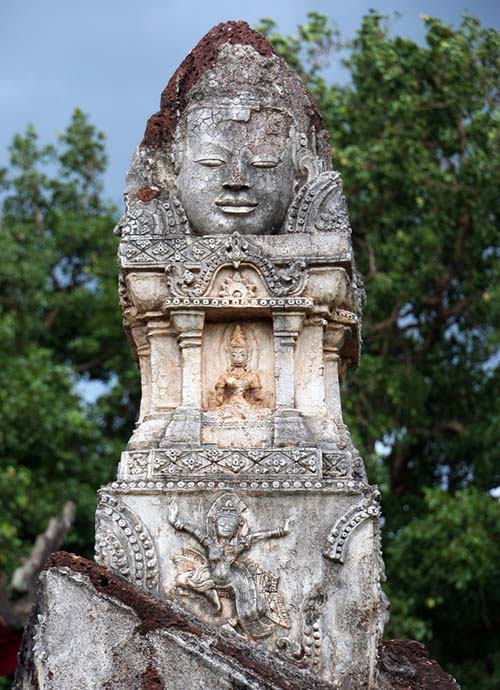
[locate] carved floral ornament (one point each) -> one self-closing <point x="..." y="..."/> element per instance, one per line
<point x="237" y="287"/>
<point x="124" y="544"/>
<point x="236" y="252"/>
<point x="217" y="462"/>
<point x="367" y="509"/>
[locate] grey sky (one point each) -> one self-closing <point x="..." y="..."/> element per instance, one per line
<point x="112" y="58"/>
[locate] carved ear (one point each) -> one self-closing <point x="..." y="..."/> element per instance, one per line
<point x="319" y="205"/>
<point x="176" y="155"/>
<point x="306" y="161"/>
<point x="176" y="218"/>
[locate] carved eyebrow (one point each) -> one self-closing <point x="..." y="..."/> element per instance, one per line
<point x="263" y="159"/>
<point x="212" y="149"/>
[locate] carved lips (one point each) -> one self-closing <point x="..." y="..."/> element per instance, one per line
<point x="236" y="206"/>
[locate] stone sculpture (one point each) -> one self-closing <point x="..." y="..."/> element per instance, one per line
<point x="238" y="390"/>
<point x="241" y="517"/>
<point x="242" y="305"/>
<point x="221" y="571"/>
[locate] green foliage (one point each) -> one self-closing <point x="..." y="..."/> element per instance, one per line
<point x="59" y="326"/>
<point x="416" y="135"/>
<point x="309" y="51"/>
<point x="452" y="550"/>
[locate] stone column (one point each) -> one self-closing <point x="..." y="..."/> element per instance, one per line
<point x="157" y="352"/>
<point x="185" y="426"/>
<point x="144" y="354"/>
<point x="310" y="369"/>
<point x="160" y="333"/>
<point x="334" y="338"/>
<point x="138" y="332"/>
<point x="289" y="429"/>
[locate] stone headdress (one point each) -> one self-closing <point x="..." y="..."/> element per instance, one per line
<point x="228" y="503"/>
<point x="238" y="338"/>
<point x="232" y="64"/>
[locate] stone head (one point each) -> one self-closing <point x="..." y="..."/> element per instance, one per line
<point x="233" y="136"/>
<point x="236" y="169"/>
<point x="239" y="349"/>
<point x="227" y="523"/>
<point x="239" y="357"/>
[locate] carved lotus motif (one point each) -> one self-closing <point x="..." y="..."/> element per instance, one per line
<point x="237" y="287"/>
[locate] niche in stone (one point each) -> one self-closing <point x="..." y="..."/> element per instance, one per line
<point x="238" y="383"/>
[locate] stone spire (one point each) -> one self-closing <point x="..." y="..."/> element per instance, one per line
<point x="240" y="74"/>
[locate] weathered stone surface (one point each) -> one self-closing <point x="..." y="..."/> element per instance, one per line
<point x="240" y="493"/>
<point x="304" y="564"/>
<point x="92" y="629"/>
<point x="240" y="496"/>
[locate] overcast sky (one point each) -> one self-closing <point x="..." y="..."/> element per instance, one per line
<point x="112" y="58"/>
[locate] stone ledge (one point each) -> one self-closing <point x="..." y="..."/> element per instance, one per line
<point x="405" y="665"/>
<point x="69" y="634"/>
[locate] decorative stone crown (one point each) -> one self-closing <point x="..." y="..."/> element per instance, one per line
<point x="238" y="338"/>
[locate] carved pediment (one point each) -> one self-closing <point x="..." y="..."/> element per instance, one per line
<point x="188" y="278"/>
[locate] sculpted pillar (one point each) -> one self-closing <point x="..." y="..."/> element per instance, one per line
<point x="287" y="326"/>
<point x="334" y="338"/>
<point x="185" y="426"/>
<point x="144" y="364"/>
<point x="156" y="396"/>
<point x="241" y="495"/>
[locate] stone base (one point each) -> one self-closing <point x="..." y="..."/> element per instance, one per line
<point x="305" y="582"/>
<point x="92" y="629"/>
<point x="230" y="433"/>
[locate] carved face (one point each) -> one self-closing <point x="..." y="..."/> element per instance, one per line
<point x="226" y="524"/>
<point x="236" y="170"/>
<point x="238" y="356"/>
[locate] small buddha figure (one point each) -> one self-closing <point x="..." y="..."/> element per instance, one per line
<point x="238" y="392"/>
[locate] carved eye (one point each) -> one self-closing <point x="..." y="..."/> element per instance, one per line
<point x="265" y="162"/>
<point x="211" y="162"/>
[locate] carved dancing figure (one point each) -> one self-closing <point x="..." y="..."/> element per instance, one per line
<point x="225" y="539"/>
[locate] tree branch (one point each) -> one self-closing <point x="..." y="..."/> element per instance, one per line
<point x="15" y="610"/>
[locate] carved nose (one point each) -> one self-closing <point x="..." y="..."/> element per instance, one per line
<point x="237" y="179"/>
<point x="236" y="183"/>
